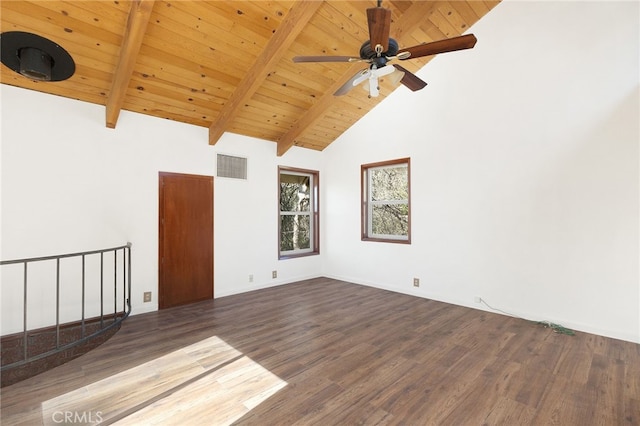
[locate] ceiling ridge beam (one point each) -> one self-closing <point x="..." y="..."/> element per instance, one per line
<point x="408" y="22"/>
<point x="316" y="112"/>
<point x="295" y="21"/>
<point x="137" y="21"/>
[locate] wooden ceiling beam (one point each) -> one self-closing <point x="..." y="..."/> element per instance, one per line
<point x="408" y="22"/>
<point x="278" y="45"/>
<point x="139" y="14"/>
<point x="316" y="112"/>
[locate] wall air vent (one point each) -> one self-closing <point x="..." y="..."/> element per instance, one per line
<point x="231" y="167"/>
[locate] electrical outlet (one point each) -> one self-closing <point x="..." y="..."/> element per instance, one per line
<point x="274" y="274"/>
<point x="416" y="282"/>
<point x="146" y="296"/>
<point x="477" y="299"/>
<point x="250" y="278"/>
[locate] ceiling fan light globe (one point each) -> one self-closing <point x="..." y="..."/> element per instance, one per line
<point x="395" y="77"/>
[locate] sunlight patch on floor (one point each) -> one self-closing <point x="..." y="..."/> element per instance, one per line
<point x="209" y="381"/>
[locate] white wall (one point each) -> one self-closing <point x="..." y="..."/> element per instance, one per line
<point x="524" y="155"/>
<point x="525" y="177"/>
<point x="70" y="184"/>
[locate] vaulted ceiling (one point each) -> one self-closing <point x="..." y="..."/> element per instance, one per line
<point x="227" y="65"/>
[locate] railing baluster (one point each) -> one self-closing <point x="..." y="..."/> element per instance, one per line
<point x="101" y="290"/>
<point x="129" y="276"/>
<point x="62" y="342"/>
<point x="124" y="280"/>
<point x="83" y="298"/>
<point x="25" y="336"/>
<point x="57" y="303"/>
<point x="115" y="284"/>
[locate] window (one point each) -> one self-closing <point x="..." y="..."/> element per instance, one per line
<point x="299" y="221"/>
<point x="386" y="207"/>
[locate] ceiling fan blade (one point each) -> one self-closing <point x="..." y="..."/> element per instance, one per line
<point x="325" y="59"/>
<point x="379" y="21"/>
<point x="410" y="80"/>
<point x="440" y="46"/>
<point x="359" y="77"/>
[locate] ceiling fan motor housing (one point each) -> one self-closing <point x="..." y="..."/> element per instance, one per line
<point x="381" y="49"/>
<point x="369" y="53"/>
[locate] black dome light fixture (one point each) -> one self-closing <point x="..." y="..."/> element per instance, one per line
<point x="35" y="57"/>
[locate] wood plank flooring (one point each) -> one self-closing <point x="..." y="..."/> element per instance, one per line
<point x="325" y="352"/>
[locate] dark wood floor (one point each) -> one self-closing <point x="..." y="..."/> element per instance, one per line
<point x="325" y="352"/>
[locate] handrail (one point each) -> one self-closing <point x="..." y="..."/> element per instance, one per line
<point x="118" y="317"/>
<point x="62" y="256"/>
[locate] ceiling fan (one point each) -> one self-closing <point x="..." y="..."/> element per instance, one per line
<point x="380" y="49"/>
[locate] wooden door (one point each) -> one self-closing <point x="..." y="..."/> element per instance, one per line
<point x="185" y="239"/>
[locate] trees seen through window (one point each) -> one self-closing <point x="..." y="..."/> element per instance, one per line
<point x="386" y="201"/>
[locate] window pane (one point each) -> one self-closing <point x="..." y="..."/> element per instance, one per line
<point x="386" y="213"/>
<point x="389" y="183"/>
<point x="295" y="232"/>
<point x="299" y="215"/>
<point x="390" y="219"/>
<point x="294" y="193"/>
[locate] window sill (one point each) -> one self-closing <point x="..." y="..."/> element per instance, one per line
<point x="387" y="240"/>
<point x="296" y="255"/>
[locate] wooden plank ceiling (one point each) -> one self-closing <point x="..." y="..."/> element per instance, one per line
<point x="227" y="65"/>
